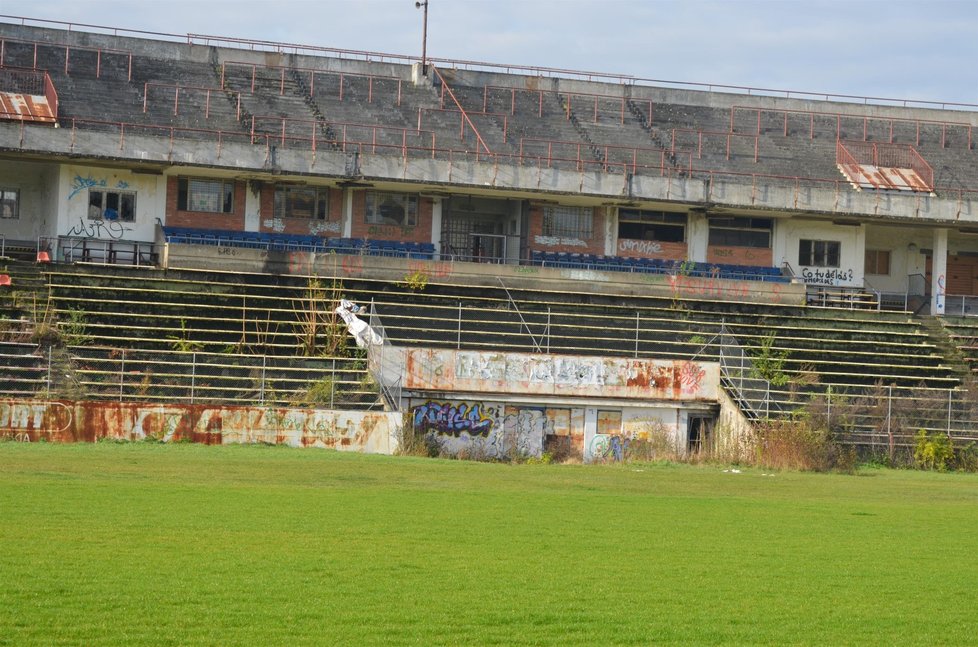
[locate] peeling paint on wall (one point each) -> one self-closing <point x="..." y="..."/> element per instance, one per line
<point x="87" y="421"/>
<point x="320" y="227"/>
<point x="565" y="375"/>
<point x="275" y="224"/>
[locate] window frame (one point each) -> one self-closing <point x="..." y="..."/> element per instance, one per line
<point x="580" y="225"/>
<point x="15" y="215"/>
<point x="375" y="200"/>
<point x="872" y="267"/>
<point x="104" y="200"/>
<point x="745" y="226"/>
<point x="819" y="253"/>
<point x="284" y="195"/>
<point x="659" y="226"/>
<point x="185" y="194"/>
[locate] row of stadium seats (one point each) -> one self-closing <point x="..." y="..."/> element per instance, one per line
<point x="657" y="266"/>
<point x="297" y="242"/>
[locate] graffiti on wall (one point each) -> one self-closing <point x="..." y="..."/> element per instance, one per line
<point x="646" y="247"/>
<point x="820" y="276"/>
<point x="91" y="421"/>
<point x="558" y="241"/>
<point x="452" y="419"/>
<point x="484" y="429"/>
<point x="112" y="229"/>
<point x="476" y="371"/>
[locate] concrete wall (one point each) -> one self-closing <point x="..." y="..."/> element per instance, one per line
<point x="86" y="421"/>
<point x="788" y="233"/>
<point x="38" y="186"/>
<point x="445" y="370"/>
<point x="74" y="183"/>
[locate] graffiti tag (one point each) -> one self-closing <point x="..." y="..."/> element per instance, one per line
<point x="99" y="229"/>
<point x="450" y="419"/>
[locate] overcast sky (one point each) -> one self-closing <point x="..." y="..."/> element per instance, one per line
<point x="916" y="50"/>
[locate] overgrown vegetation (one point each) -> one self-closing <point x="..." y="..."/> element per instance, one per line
<point x="320" y="329"/>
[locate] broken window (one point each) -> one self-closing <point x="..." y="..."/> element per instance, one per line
<point x="392" y="209"/>
<point x="111" y="205"/>
<point x="301" y="202"/>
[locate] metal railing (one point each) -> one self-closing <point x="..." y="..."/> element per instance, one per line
<point x="185" y="376"/>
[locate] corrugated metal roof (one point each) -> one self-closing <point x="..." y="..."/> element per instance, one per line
<point x="26" y="107"/>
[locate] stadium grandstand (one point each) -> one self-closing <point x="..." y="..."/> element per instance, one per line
<point x="554" y="260"/>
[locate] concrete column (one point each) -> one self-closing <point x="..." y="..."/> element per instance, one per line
<point x="347" y="212"/>
<point x="253" y="212"/>
<point x="697" y="236"/>
<point x="938" y="272"/>
<point x="611" y="231"/>
<point x="436" y="204"/>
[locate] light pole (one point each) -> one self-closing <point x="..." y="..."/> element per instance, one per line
<point x="419" y="4"/>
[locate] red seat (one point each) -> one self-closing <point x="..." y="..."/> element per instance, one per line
<point x="5" y="279"/>
<point x="43" y="257"/>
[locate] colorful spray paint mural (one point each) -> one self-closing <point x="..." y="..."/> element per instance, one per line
<point x="489" y="429"/>
<point x="560" y="375"/>
<point x="84" y="421"/>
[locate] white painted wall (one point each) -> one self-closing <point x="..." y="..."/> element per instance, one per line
<point x="72" y="203"/>
<point x="904" y="245"/>
<point x="697" y="237"/>
<point x="253" y="207"/>
<point x="850" y="273"/>
<point x="37" y="184"/>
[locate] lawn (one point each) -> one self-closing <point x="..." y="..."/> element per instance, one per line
<point x="189" y="544"/>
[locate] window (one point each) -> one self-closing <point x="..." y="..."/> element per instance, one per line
<point x="211" y="196"/>
<point x="111" y="205"/>
<point x="301" y="202"/>
<point x="878" y="262"/>
<point x="741" y="232"/>
<point x="392" y="209"/>
<point x="652" y="225"/>
<point x="568" y="222"/>
<point x="10" y="203"/>
<point x="819" y="253"/>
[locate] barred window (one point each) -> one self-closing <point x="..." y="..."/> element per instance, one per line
<point x="819" y="253"/>
<point x="568" y="222"/>
<point x="301" y="202"/>
<point x="741" y="232"/>
<point x="111" y="205"/>
<point x="392" y="209"/>
<point x="211" y="196"/>
<point x="878" y="262"/>
<point x="10" y="203"/>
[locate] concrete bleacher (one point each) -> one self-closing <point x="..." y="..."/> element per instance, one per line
<point x="152" y="336"/>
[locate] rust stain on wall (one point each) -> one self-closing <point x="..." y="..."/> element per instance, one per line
<point x="90" y="421"/>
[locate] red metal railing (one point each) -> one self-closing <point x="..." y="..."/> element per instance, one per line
<point x="849" y="153"/>
<point x="963" y="195"/>
<point x="98" y="53"/>
<point x="465" y="116"/>
<point x="714" y="134"/>
<point x="284" y="130"/>
<point x="282" y="70"/>
<point x="51" y="95"/>
<point x="179" y="90"/>
<point x="592" y="100"/>
<point x="632" y="157"/>
<point x="623" y="79"/>
<point x="840" y="116"/>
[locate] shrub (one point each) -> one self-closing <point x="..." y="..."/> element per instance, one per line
<point x="932" y="451"/>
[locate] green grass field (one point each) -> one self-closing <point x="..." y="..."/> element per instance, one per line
<point x="186" y="544"/>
